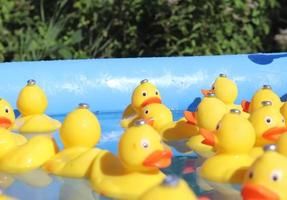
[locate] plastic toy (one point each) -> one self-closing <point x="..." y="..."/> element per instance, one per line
<point x="18" y="155"/>
<point x="32" y="103"/>
<point x="172" y="188"/>
<point x="136" y="169"/>
<point x="143" y="95"/>
<point x="209" y="112"/>
<point x="263" y="94"/>
<point x="79" y="133"/>
<point x="266" y="178"/>
<point x="268" y="123"/>
<point x="283" y="111"/>
<point x="233" y="140"/>
<point x="7" y="116"/>
<point x="160" y="117"/>
<point x="226" y="90"/>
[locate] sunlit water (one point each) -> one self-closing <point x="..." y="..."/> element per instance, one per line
<point x="64" y="188"/>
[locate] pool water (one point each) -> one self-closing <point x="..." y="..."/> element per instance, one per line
<point x="64" y="188"/>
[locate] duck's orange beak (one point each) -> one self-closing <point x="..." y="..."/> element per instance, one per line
<point x="149" y="121"/>
<point x="209" y="137"/>
<point x="257" y="192"/>
<point x="150" y="101"/>
<point x="5" y="122"/>
<point x="273" y="134"/>
<point x="190" y="117"/>
<point x="245" y="105"/>
<point x="207" y="92"/>
<point x="158" y="159"/>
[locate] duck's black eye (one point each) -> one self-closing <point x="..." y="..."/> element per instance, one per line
<point x="218" y="126"/>
<point x="250" y="175"/>
<point x="156" y="92"/>
<point x="283" y="120"/>
<point x="146" y="112"/>
<point x="268" y="120"/>
<point x="7" y="110"/>
<point x="276" y="175"/>
<point x="144" y="93"/>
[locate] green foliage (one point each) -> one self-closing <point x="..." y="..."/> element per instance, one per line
<point x="64" y="29"/>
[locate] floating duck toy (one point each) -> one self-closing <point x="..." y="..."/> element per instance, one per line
<point x="173" y="133"/>
<point x="144" y="94"/>
<point x="32" y="103"/>
<point x="233" y="140"/>
<point x="161" y="118"/>
<point x="141" y="154"/>
<point x="209" y="112"/>
<point x="226" y="90"/>
<point x="268" y="123"/>
<point x="172" y="188"/>
<point x="263" y="94"/>
<point x="17" y="155"/>
<point x="266" y="178"/>
<point x="79" y="134"/>
<point x="7" y="116"/>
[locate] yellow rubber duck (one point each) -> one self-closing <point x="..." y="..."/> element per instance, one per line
<point x="226" y="90"/>
<point x="17" y="154"/>
<point x="172" y="188"/>
<point x="266" y="179"/>
<point x="141" y="154"/>
<point x="144" y="94"/>
<point x="7" y="116"/>
<point x="32" y="103"/>
<point x="161" y="118"/>
<point x="209" y="112"/>
<point x="5" y="197"/>
<point x="233" y="140"/>
<point x="268" y="123"/>
<point x="281" y="144"/>
<point x="263" y="94"/>
<point x="79" y="134"/>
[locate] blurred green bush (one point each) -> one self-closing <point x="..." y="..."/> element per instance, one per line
<point x="65" y="29"/>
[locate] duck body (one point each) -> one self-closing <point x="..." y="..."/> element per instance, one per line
<point x="266" y="178"/>
<point x="141" y="154"/>
<point x="17" y="154"/>
<point x="32" y="104"/>
<point x="80" y="133"/>
<point x="28" y="156"/>
<point x="233" y="140"/>
<point x="144" y="94"/>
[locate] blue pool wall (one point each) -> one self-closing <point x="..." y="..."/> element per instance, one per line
<point x="107" y="84"/>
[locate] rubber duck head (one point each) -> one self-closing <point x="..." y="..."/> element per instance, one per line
<point x="145" y="94"/>
<point x="263" y="94"/>
<point x="32" y="99"/>
<point x="157" y="115"/>
<point x="209" y="112"/>
<point x="266" y="179"/>
<point x="224" y="88"/>
<point x="172" y="188"/>
<point x="233" y="134"/>
<point x="141" y="148"/>
<point x="7" y="116"/>
<point x="80" y="128"/>
<point x="268" y="123"/>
